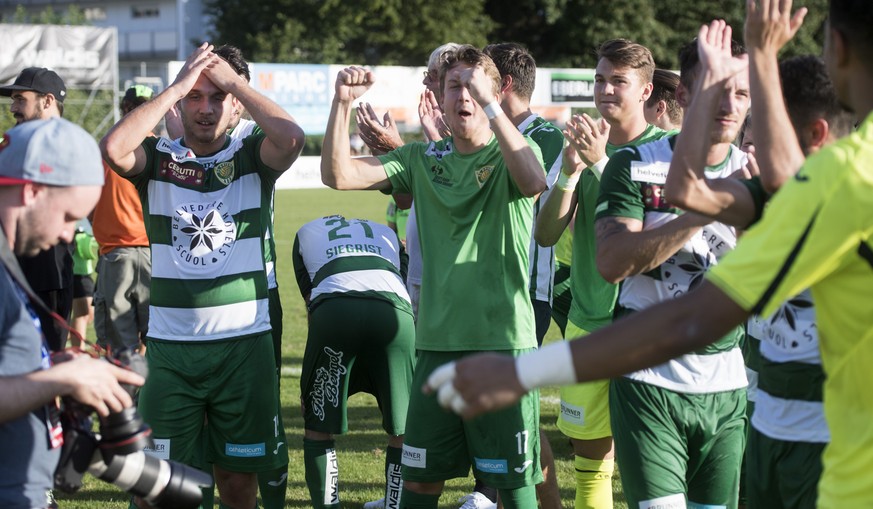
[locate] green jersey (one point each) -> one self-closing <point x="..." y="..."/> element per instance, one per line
<point x="474" y="228"/>
<point x="594" y="298"/>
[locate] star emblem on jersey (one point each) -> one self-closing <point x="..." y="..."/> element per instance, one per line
<point x="790" y="311"/>
<point x="202" y="234"/>
<point x="205" y="231"/>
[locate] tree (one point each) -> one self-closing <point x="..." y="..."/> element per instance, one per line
<point x="381" y="32"/>
<point x="559" y="33"/>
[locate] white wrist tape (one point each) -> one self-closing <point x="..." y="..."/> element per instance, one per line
<point x="548" y="366"/>
<point x="599" y="166"/>
<point x="493" y="110"/>
<point x="567" y="182"/>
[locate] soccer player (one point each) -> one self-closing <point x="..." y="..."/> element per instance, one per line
<point x="474" y="192"/>
<point x="812" y="234"/>
<point x="622" y="85"/>
<point x="361" y="339"/>
<point x="518" y="70"/>
<point x="694" y="404"/>
<point x="207" y="202"/>
<point x="662" y="109"/>
<point x="788" y="431"/>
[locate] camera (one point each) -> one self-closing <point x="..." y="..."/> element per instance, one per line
<point x="116" y="454"/>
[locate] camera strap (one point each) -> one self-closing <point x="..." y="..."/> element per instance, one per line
<point x="52" y="411"/>
<point x="11" y="264"/>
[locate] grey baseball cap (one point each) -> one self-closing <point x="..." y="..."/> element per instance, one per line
<point x="54" y="152"/>
<point x="38" y="79"/>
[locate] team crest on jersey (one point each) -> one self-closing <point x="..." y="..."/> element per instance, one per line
<point x="483" y="173"/>
<point x="202" y="234"/>
<point x="224" y="172"/>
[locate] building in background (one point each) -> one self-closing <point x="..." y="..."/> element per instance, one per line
<point x="150" y="32"/>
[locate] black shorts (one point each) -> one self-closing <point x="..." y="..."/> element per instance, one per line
<point x="83" y="286"/>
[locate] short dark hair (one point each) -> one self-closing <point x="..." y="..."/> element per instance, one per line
<point x="60" y="104"/>
<point x="513" y="59"/>
<point x="664" y="85"/>
<point x="233" y="56"/>
<point x="853" y="18"/>
<point x="469" y="55"/>
<point x="688" y="60"/>
<point x="809" y="94"/>
<point x="626" y="53"/>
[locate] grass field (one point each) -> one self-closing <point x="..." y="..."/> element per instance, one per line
<point x="361" y="451"/>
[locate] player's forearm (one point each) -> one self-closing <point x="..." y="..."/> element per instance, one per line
<point x="126" y="136"/>
<point x="656" y="335"/>
<point x="336" y="159"/>
<point x="277" y="124"/>
<point x="554" y="216"/>
<point x="526" y="170"/>
<point x="687" y="176"/>
<point x="777" y="149"/>
<point x="622" y="253"/>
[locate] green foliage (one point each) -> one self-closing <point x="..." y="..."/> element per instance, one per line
<point x="73" y="15"/>
<point x="91" y="109"/>
<point x="559" y="33"/>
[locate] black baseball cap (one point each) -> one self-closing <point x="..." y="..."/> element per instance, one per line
<point x="37" y="79"/>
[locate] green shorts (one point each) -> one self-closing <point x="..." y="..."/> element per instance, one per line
<point x="224" y="382"/>
<point x="276" y="324"/>
<point x="780" y="474"/>
<point x="357" y="345"/>
<point x="503" y="447"/>
<point x="584" y="407"/>
<point x="673" y="445"/>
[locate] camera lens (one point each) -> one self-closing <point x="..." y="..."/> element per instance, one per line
<point x="124" y="433"/>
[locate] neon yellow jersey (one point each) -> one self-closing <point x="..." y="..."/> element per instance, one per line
<point x="816" y="233"/>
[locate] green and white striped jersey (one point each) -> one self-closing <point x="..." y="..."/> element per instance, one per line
<point x="632" y="187"/>
<point x="206" y="218"/>
<point x="338" y="257"/>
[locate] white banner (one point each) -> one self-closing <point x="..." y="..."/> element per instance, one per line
<point x="84" y="57"/>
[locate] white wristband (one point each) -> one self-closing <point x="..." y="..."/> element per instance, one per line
<point x="493" y="110"/>
<point x="567" y="182"/>
<point x="550" y="365"/>
<point x="599" y="166"/>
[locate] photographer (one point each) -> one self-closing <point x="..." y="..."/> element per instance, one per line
<point x="50" y="177"/>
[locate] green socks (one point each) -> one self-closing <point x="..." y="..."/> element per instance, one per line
<point x="322" y="472"/>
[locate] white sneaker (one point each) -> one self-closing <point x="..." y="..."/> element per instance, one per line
<point x="376" y="504"/>
<point x="476" y="500"/>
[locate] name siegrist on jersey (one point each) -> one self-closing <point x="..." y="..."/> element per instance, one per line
<point x="346" y="249"/>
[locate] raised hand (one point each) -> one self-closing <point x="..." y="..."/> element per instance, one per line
<point x="381" y="137"/>
<point x="353" y="82"/>
<point x="714" y="50"/>
<point x="431" y="116"/>
<point x="223" y="75"/>
<point x="481" y="87"/>
<point x="588" y="138"/>
<point x="196" y="63"/>
<point x="770" y="24"/>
